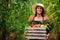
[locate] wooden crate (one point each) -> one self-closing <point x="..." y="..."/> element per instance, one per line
<point x="35" y="33"/>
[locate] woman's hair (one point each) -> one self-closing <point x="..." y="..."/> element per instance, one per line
<point x="43" y="11"/>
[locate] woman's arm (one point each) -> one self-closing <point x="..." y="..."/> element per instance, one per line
<point x="50" y="24"/>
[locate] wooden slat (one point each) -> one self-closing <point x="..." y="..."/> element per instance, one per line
<point x="35" y="28"/>
<point x="35" y="37"/>
<point x="31" y="30"/>
<point x="36" y="34"/>
<point x="35" y="31"/>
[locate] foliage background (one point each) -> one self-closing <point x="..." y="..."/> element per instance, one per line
<point x="14" y="16"/>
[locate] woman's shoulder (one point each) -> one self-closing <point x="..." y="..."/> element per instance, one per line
<point x="31" y="17"/>
<point x="46" y="17"/>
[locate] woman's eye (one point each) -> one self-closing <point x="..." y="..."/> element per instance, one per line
<point x="38" y="8"/>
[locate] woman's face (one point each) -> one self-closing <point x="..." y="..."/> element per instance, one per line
<point x="39" y="10"/>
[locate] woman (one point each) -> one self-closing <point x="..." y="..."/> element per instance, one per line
<point x="38" y="18"/>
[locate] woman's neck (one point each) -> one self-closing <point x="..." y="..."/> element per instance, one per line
<point x="39" y="15"/>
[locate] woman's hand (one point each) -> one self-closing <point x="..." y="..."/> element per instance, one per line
<point x="47" y="36"/>
<point x="37" y="26"/>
